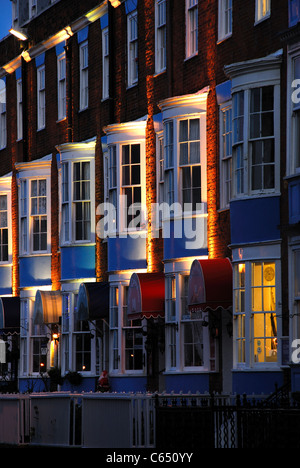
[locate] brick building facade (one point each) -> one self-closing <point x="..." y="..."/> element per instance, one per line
<point x="167" y="103"/>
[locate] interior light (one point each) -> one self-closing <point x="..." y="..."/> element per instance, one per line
<point x="115" y="3"/>
<point x="19" y="33"/>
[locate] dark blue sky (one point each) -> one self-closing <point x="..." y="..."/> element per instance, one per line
<point x="5" y="17"/>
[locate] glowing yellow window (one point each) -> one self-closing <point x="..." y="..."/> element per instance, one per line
<point x="263" y="291"/>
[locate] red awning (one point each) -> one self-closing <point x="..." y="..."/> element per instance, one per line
<point x="210" y="284"/>
<point x="146" y="296"/>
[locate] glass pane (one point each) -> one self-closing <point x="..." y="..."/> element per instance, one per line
<point x="184" y="153"/>
<point x="195" y="153"/>
<point x="135" y="174"/>
<point x="183" y="130"/>
<point x="135" y="154"/>
<point x="125" y="154"/>
<point x="194" y="129"/>
<point x="267" y="98"/>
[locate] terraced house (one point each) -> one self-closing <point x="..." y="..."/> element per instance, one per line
<point x="150" y="194"/>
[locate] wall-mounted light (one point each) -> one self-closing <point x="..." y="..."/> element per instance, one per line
<point x="19" y="33"/>
<point x="115" y="3"/>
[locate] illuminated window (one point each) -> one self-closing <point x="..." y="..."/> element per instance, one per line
<point x="41" y="104"/>
<point x="264" y="312"/>
<point x="255" y="313"/>
<point x="61" y="77"/>
<point x="160" y="37"/>
<point x="225" y="19"/>
<point x="84" y="75"/>
<point x="262" y="10"/>
<point x="105" y="63"/>
<point x="132" y="48"/>
<point x="191" y="27"/>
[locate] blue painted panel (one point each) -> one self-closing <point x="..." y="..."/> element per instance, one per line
<point x="78" y="262"/>
<point x="294" y="201"/>
<point x="254" y="220"/>
<point x="256" y="382"/>
<point x="181" y="244"/>
<point x="5" y="280"/>
<point x="35" y="271"/>
<point x="128" y="384"/>
<point x="126" y="253"/>
<point x="223" y="92"/>
<point x="187" y="383"/>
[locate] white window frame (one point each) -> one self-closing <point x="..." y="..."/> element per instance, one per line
<point x="27" y="217"/>
<point x="191" y="19"/>
<point x="293" y="111"/>
<point x="3" y="116"/>
<point x="41" y="98"/>
<point x="61" y="86"/>
<point x="265" y="72"/>
<point x="225" y="114"/>
<point x="84" y="75"/>
<point x="262" y="10"/>
<point x="160" y="35"/>
<point x="132" y="48"/>
<point x="294" y="288"/>
<point x="19" y="109"/>
<point x="243" y="331"/>
<point x="69" y="157"/>
<point x="32" y="8"/>
<point x="5" y="190"/>
<point x="131" y="133"/>
<point x="225" y="20"/>
<point x="105" y="63"/>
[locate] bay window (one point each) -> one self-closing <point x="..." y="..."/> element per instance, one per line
<point x="77" y="201"/>
<point x="125" y="174"/>
<point x="255" y="126"/>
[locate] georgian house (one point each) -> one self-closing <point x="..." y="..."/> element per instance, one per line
<point x="149" y="194"/>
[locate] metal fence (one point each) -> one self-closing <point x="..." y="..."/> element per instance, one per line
<point x="167" y="422"/>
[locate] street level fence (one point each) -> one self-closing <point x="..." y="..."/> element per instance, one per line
<point x="167" y="422"/>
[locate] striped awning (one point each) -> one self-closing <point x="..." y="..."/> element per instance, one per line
<point x="47" y="307"/>
<point x="9" y="315"/>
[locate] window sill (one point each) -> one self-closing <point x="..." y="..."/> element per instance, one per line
<point x="224" y="38"/>
<point x="159" y="73"/>
<point x="261" y="20"/>
<point x="191" y="56"/>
